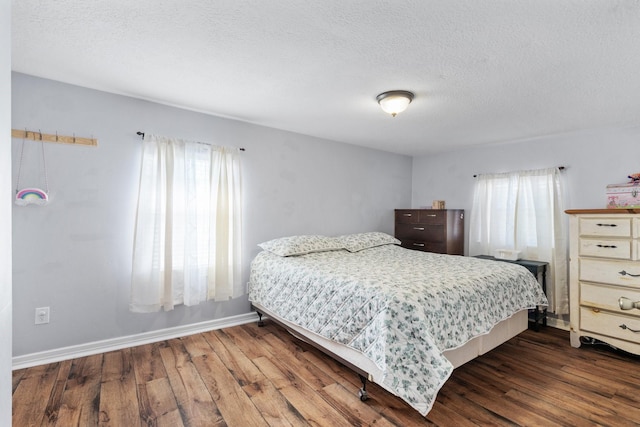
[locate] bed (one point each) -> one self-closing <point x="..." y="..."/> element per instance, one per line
<point x="403" y="319"/>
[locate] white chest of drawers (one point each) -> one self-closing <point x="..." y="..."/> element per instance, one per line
<point x="605" y="277"/>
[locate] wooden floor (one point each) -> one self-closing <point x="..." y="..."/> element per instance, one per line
<point x="250" y="376"/>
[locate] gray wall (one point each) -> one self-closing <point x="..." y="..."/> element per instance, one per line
<point x="592" y="159"/>
<point x="74" y="255"/>
<point x="5" y="213"/>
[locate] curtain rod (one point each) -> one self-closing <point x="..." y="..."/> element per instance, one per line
<point x="142" y="136"/>
<point x="559" y="167"/>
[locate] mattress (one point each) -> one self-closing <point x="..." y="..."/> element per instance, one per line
<point x="401" y="309"/>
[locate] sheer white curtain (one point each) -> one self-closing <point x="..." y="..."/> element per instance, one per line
<point x="523" y="211"/>
<point x="188" y="236"/>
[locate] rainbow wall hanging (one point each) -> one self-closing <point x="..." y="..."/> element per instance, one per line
<point x="31" y="196"/>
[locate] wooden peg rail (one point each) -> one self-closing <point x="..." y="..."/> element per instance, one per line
<point x="47" y="137"/>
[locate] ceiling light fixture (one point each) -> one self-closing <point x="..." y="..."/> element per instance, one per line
<point x="394" y="101"/>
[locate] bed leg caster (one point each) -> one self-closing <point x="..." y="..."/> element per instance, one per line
<point x="260" y="321"/>
<point x="362" y="393"/>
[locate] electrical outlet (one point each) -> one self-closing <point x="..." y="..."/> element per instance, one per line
<point x="42" y="315"/>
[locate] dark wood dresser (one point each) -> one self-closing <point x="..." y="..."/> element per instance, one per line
<point x="431" y="230"/>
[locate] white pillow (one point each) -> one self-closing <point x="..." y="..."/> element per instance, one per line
<point x="359" y="241"/>
<point x="301" y="245"/>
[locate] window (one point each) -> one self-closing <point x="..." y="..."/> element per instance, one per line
<point x="523" y="211"/>
<point x="188" y="235"/>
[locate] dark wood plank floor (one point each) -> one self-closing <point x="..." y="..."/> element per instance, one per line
<point x="250" y="376"/>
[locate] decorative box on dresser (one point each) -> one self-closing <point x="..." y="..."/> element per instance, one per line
<point x="431" y="230"/>
<point x="605" y="277"/>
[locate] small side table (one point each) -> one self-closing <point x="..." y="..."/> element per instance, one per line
<point x="537" y="316"/>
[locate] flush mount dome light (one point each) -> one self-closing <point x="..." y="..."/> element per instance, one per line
<point x="394" y="101"/>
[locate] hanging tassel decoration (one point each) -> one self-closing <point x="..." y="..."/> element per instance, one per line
<point x="32" y="195"/>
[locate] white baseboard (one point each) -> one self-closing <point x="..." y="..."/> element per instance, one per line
<point x="558" y="323"/>
<point x="96" y="347"/>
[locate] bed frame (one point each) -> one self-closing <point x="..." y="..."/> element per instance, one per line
<point x="369" y="371"/>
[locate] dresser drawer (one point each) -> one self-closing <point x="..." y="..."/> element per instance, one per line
<point x="610" y="324"/>
<point x="439" y="248"/>
<point x="623" y="273"/>
<point x="433" y="216"/>
<point x="613" y="227"/>
<point x="422" y="216"/>
<point x="407" y="216"/>
<point x="606" y="297"/>
<point x="619" y="249"/>
<point x="435" y="233"/>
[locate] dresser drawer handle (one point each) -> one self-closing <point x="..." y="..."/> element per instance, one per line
<point x="607" y="225"/>
<point x="607" y="246"/>
<point x="419" y="228"/>
<point x="635" y="331"/>
<point x="627" y="304"/>
<point x="419" y="244"/>
<point x="595" y="310"/>
<point x="624" y="273"/>
<point x="406" y="214"/>
<point x="433" y="215"/>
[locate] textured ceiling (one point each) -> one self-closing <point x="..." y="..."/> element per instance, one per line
<point x="483" y="71"/>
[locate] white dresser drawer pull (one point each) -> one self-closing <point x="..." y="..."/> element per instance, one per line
<point x="406" y="214"/>
<point x="624" y="273"/>
<point x="635" y="331"/>
<point x="607" y="225"/>
<point x="607" y="246"/>
<point x="627" y="304"/>
<point x="419" y="228"/>
<point x="432" y="215"/>
<point x="418" y="244"/>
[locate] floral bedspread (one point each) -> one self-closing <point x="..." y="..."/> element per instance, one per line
<point x="401" y="308"/>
